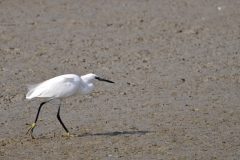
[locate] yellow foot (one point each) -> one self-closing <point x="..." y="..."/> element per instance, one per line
<point x="30" y="130"/>
<point x="68" y="135"/>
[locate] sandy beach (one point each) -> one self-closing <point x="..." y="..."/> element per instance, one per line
<point x="175" y="64"/>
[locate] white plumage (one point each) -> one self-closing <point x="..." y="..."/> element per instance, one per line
<point x="57" y="87"/>
<point x="63" y="86"/>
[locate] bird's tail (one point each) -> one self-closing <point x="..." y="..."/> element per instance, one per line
<point x="31" y="88"/>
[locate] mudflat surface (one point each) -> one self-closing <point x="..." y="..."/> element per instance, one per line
<point x="176" y="65"/>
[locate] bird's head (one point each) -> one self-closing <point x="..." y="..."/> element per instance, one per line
<point x="88" y="78"/>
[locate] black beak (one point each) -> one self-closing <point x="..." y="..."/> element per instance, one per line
<point x="105" y="80"/>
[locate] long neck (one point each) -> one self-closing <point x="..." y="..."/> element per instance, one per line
<point x="86" y="88"/>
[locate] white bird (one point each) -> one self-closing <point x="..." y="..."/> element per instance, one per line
<point x="61" y="87"/>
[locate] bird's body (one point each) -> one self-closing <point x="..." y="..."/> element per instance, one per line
<point x="61" y="87"/>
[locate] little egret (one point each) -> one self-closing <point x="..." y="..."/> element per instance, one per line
<point x="61" y="87"/>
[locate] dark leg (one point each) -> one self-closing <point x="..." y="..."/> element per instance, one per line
<point x="34" y="124"/>
<point x="59" y="118"/>
<point x="39" y="109"/>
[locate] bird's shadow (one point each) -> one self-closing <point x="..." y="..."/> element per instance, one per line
<point x="110" y="134"/>
<point x="116" y="133"/>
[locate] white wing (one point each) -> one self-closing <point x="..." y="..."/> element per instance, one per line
<point x="58" y="87"/>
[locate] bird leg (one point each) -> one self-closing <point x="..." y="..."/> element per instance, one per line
<point x="61" y="122"/>
<point x="33" y="125"/>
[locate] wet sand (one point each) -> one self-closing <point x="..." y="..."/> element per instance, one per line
<point x="176" y="65"/>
